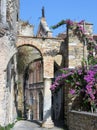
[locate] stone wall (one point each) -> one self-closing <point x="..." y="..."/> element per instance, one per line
<point x="76" y="51"/>
<point x="5" y="55"/>
<point x="8" y="31"/>
<point x="82" y="121"/>
<point x="11" y="94"/>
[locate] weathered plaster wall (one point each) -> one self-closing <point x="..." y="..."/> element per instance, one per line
<point x="8" y="33"/>
<point x="25" y="29"/>
<point x="6" y="53"/>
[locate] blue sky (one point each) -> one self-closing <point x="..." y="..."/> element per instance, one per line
<point x="57" y="10"/>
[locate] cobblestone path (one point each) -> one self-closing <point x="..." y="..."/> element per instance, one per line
<point x="27" y="125"/>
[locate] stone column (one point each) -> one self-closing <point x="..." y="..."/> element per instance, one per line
<point x="47" y="121"/>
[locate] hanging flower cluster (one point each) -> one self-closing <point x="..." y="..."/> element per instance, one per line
<point x="82" y="82"/>
<point x="77" y="27"/>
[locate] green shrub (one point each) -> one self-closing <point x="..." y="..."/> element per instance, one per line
<point x="8" y="127"/>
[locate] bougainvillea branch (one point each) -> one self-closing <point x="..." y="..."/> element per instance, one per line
<point x="59" y="24"/>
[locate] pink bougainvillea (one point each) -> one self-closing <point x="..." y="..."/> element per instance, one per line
<point x="82" y="80"/>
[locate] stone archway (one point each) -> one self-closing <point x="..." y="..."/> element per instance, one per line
<point x="30" y="54"/>
<point x="48" y="47"/>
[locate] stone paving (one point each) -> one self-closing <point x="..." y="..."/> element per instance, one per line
<point x="27" y="125"/>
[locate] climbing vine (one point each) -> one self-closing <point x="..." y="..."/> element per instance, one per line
<point x="79" y="30"/>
